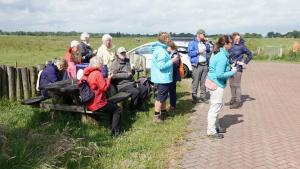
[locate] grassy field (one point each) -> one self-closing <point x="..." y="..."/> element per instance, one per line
<point x="37" y="142"/>
<point x="33" y="50"/>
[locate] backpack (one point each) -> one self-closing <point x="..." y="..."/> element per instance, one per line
<point x="86" y="94"/>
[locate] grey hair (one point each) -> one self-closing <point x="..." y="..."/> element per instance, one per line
<point x="96" y="62"/>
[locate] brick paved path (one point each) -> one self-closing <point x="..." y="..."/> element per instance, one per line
<point x="264" y="133"/>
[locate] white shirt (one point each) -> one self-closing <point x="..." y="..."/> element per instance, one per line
<point x="202" y="57"/>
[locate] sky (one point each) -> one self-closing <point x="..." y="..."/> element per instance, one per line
<point x="150" y="16"/>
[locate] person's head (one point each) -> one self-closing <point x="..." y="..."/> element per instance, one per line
<point x="61" y="64"/>
<point x="74" y="46"/>
<point x="164" y="37"/>
<point x="85" y="37"/>
<point x="201" y="35"/>
<point x="236" y="37"/>
<point x="76" y="58"/>
<point x="223" y="41"/>
<point x="121" y="53"/>
<point x="96" y="62"/>
<point x="171" y="46"/>
<point x="107" y="40"/>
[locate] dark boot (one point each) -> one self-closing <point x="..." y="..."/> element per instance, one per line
<point x="236" y="105"/>
<point x="231" y="102"/>
<point x="195" y="98"/>
<point x="221" y="130"/>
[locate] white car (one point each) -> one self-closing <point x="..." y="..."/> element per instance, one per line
<point x="146" y="52"/>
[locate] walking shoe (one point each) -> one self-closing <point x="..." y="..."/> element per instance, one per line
<point x="115" y="133"/>
<point x="236" y="105"/>
<point x="216" y="136"/>
<point x="195" y="99"/>
<point x="221" y="130"/>
<point x="171" y="112"/>
<point x="157" y="119"/>
<point x="231" y="102"/>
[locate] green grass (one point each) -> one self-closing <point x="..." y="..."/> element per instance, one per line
<point x="37" y="142"/>
<point x="32" y="50"/>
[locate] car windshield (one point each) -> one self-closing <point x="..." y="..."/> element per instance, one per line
<point x="144" y="50"/>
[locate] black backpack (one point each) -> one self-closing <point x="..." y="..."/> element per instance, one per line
<point x="85" y="92"/>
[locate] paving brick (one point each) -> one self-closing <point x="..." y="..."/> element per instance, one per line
<point x="264" y="133"/>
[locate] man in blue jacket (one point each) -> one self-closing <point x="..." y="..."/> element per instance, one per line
<point x="236" y="56"/>
<point x="198" y="51"/>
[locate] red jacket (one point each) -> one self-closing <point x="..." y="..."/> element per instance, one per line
<point x="99" y="85"/>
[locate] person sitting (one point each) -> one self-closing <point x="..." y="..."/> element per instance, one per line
<point x="84" y="48"/>
<point x="75" y="59"/>
<point x="92" y="74"/>
<point x="73" y="49"/>
<point x="123" y="78"/>
<point x="53" y="72"/>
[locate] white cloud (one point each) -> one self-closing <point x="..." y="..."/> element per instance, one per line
<point x="144" y="16"/>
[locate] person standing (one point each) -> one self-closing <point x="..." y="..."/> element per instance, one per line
<point x="236" y="53"/>
<point x="219" y="72"/>
<point x="197" y="51"/>
<point x="161" y="74"/>
<point x="84" y="48"/>
<point x="176" y="76"/>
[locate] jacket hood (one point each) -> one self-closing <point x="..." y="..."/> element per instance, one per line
<point x="159" y="45"/>
<point x="224" y="51"/>
<point x="87" y="71"/>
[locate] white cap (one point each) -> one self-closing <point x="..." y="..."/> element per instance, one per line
<point x="74" y="43"/>
<point x="106" y="37"/>
<point x="84" y="36"/>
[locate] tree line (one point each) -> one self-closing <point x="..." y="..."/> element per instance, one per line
<point x="293" y="34"/>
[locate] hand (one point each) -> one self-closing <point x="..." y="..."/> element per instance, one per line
<point x="234" y="69"/>
<point x="175" y="60"/>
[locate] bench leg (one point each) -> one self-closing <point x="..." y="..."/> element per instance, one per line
<point x="54" y="114"/>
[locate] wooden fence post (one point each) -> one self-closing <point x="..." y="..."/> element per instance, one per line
<point x="11" y="83"/>
<point x="25" y="83"/>
<point x="4" y="82"/>
<point x="19" y="86"/>
<point x="33" y="78"/>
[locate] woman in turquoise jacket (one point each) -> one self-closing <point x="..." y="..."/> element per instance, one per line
<point x="162" y="74"/>
<point x="219" y="72"/>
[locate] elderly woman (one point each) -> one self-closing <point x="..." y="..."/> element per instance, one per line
<point x="99" y="85"/>
<point x="219" y="73"/>
<point x="72" y="50"/>
<point x="84" y="48"/>
<point x="53" y="72"/>
<point x="105" y="51"/>
<point x="162" y="74"/>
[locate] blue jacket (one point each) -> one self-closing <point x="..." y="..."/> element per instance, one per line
<point x="219" y="68"/>
<point x="86" y="51"/>
<point x="236" y="53"/>
<point x="161" y="64"/>
<point x="193" y="52"/>
<point x="49" y="75"/>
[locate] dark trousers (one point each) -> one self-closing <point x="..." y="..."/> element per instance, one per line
<point x="115" y="113"/>
<point x="235" y="86"/>
<point x="199" y="74"/>
<point x="138" y="94"/>
<point x="172" y="93"/>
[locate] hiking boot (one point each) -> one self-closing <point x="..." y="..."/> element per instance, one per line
<point x="236" y="105"/>
<point x="221" y="130"/>
<point x="115" y="133"/>
<point x="171" y="112"/>
<point x="216" y="136"/>
<point x="164" y="115"/>
<point x="231" y="102"/>
<point x="157" y="119"/>
<point x="195" y="99"/>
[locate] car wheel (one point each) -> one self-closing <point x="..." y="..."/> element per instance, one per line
<point x="186" y="71"/>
